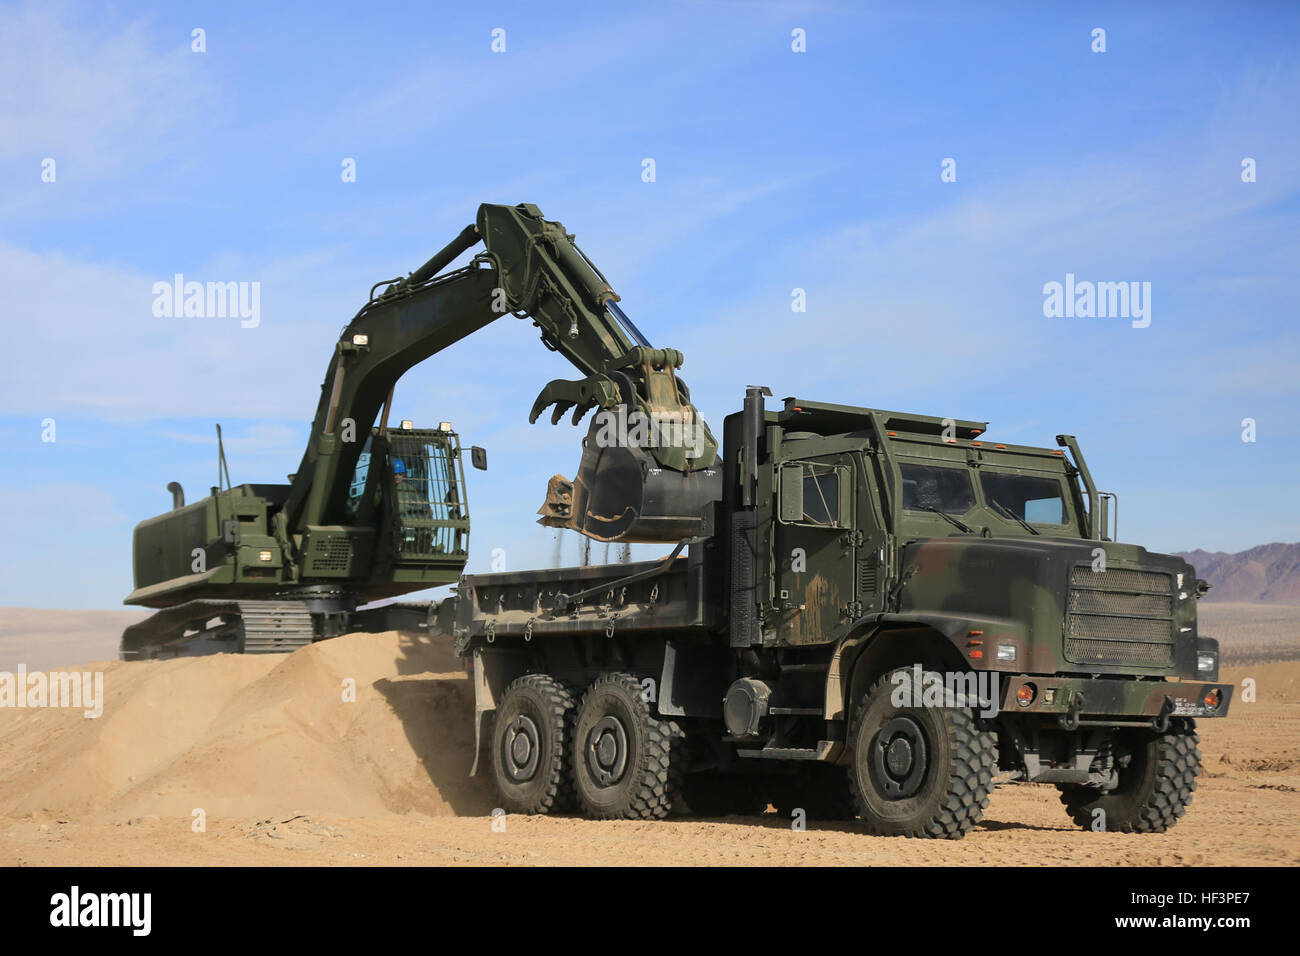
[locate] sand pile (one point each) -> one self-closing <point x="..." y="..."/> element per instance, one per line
<point x="256" y="736"/>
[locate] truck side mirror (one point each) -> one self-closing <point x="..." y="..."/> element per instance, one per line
<point x="791" y="493"/>
<point x="1107" y="516"/>
<point x="478" y="457"/>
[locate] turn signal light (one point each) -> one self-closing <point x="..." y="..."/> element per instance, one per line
<point x="1213" y="697"/>
<point x="1025" y="694"/>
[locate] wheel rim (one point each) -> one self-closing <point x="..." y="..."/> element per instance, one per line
<point x="521" y="749"/>
<point x="899" y="758"/>
<point x="607" y="751"/>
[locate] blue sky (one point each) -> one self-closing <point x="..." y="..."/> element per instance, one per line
<point x="775" y="170"/>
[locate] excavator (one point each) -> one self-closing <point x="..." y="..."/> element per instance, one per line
<point x="374" y="512"/>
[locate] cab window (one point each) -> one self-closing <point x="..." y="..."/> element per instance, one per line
<point x="935" y="488"/>
<point x="1035" y="499"/>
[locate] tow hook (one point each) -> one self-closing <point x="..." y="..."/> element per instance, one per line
<point x="1160" y="724"/>
<point x="1070" y="719"/>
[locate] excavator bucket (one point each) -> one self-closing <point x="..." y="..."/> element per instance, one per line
<point x="621" y="493"/>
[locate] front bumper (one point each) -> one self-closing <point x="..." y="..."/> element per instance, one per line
<point x="1089" y="700"/>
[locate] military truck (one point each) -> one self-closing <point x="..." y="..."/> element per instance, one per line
<point x="879" y="615"/>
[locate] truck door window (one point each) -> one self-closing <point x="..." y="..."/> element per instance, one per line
<point x="815" y="494"/>
<point x="927" y="487"/>
<point x="1037" y="500"/>
<point x="821" y="498"/>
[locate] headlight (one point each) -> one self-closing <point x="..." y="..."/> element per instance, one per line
<point x="1006" y="652"/>
<point x="1206" y="663"/>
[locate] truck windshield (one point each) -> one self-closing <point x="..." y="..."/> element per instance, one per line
<point x="1036" y="500"/>
<point x="928" y="487"/>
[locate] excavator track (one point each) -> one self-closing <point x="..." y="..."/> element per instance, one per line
<point x="213" y="627"/>
<point x="275" y="627"/>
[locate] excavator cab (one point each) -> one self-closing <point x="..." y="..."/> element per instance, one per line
<point x="411" y="482"/>
<point x="428" y="508"/>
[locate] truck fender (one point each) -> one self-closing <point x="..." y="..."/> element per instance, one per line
<point x="846" y="652"/>
<point x="493" y="672"/>
<point x="688" y="686"/>
<point x="840" y="678"/>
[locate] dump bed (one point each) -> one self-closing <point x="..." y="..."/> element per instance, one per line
<point x="672" y="594"/>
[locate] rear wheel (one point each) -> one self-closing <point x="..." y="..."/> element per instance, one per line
<point x="918" y="771"/>
<point x="530" y="745"/>
<point x="626" y="761"/>
<point x="1157" y="774"/>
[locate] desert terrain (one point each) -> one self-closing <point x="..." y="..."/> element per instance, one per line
<point x="282" y="768"/>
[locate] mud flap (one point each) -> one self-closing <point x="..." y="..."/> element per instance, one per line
<point x="478" y="739"/>
<point x="492" y="673"/>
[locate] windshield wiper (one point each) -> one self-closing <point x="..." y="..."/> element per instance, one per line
<point x="1003" y="509"/>
<point x="945" y="516"/>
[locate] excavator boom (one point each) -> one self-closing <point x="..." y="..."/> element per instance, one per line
<point x="374" y="513"/>
<point x="530" y="267"/>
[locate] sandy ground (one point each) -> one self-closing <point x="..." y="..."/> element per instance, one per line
<point x="286" y="770"/>
<point x="41" y="639"/>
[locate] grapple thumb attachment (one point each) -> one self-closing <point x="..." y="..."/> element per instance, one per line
<point x="622" y="494"/>
<point x="582" y="396"/>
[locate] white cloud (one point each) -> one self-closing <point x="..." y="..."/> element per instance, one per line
<point x="102" y="99"/>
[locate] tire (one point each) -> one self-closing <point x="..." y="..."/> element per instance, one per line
<point x="821" y="790"/>
<point x="530" y="746"/>
<point x="626" y="761"/>
<point x="1154" y="788"/>
<point x="713" y="793"/>
<point x="918" y="771"/>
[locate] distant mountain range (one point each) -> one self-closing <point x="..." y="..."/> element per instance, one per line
<point x="1269" y="574"/>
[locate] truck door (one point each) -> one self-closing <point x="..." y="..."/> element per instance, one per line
<point x="813" y="551"/>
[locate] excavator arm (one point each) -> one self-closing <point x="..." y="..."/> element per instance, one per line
<point x="648" y="467"/>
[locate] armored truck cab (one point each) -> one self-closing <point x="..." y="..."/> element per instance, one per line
<point x="883" y="615"/>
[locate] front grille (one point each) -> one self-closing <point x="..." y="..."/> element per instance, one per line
<point x="1120" y="652"/>
<point x="1122" y="616"/>
<point x="1108" y="602"/>
<point x="1121" y="579"/>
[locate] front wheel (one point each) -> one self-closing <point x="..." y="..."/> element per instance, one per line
<point x="1157" y="774"/>
<point x="918" y="771"/>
